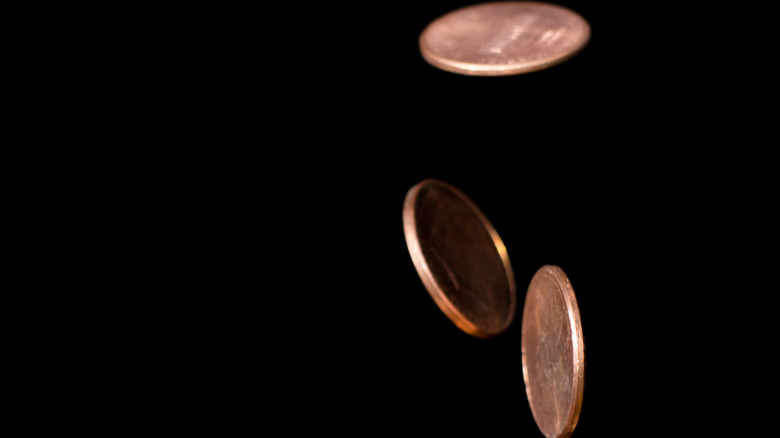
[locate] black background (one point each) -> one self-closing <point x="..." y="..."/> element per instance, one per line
<point x="639" y="167"/>
<point x="235" y="175"/>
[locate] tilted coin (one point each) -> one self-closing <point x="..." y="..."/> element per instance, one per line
<point x="553" y="354"/>
<point x="503" y="38"/>
<point x="460" y="258"/>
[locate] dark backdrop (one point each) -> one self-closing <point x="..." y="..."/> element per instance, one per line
<point x="637" y="166"/>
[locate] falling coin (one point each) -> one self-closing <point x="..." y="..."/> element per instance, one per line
<point x="553" y="355"/>
<point x="460" y="258"/>
<point x="503" y="38"/>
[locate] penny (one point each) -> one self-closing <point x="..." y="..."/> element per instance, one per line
<point x="553" y="355"/>
<point x="503" y="38"/>
<point x="460" y="258"/>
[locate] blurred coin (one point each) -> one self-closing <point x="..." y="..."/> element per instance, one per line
<point x="553" y="355"/>
<point x="503" y="38"/>
<point x="460" y="258"/>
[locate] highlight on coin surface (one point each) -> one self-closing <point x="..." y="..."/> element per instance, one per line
<point x="460" y="258"/>
<point x="553" y="352"/>
<point x="503" y="38"/>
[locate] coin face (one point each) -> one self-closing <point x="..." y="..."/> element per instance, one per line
<point x="553" y="355"/>
<point x="503" y="38"/>
<point x="460" y="258"/>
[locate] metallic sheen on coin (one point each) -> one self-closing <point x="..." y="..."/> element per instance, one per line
<point x="460" y="258"/>
<point x="503" y="38"/>
<point x="553" y="354"/>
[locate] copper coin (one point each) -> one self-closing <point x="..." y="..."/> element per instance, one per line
<point x="460" y="258"/>
<point x="503" y="38"/>
<point x="553" y="355"/>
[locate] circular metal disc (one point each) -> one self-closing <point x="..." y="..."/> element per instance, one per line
<point x="503" y="38"/>
<point x="460" y="258"/>
<point x="553" y="354"/>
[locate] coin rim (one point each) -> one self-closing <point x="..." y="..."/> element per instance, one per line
<point x="473" y="69"/>
<point x="424" y="271"/>
<point x="578" y="349"/>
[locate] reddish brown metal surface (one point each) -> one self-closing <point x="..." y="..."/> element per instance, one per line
<point x="503" y="38"/>
<point x="460" y="258"/>
<point x="553" y="353"/>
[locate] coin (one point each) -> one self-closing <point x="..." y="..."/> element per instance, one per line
<point x="460" y="258"/>
<point x="503" y="38"/>
<point x="553" y="355"/>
